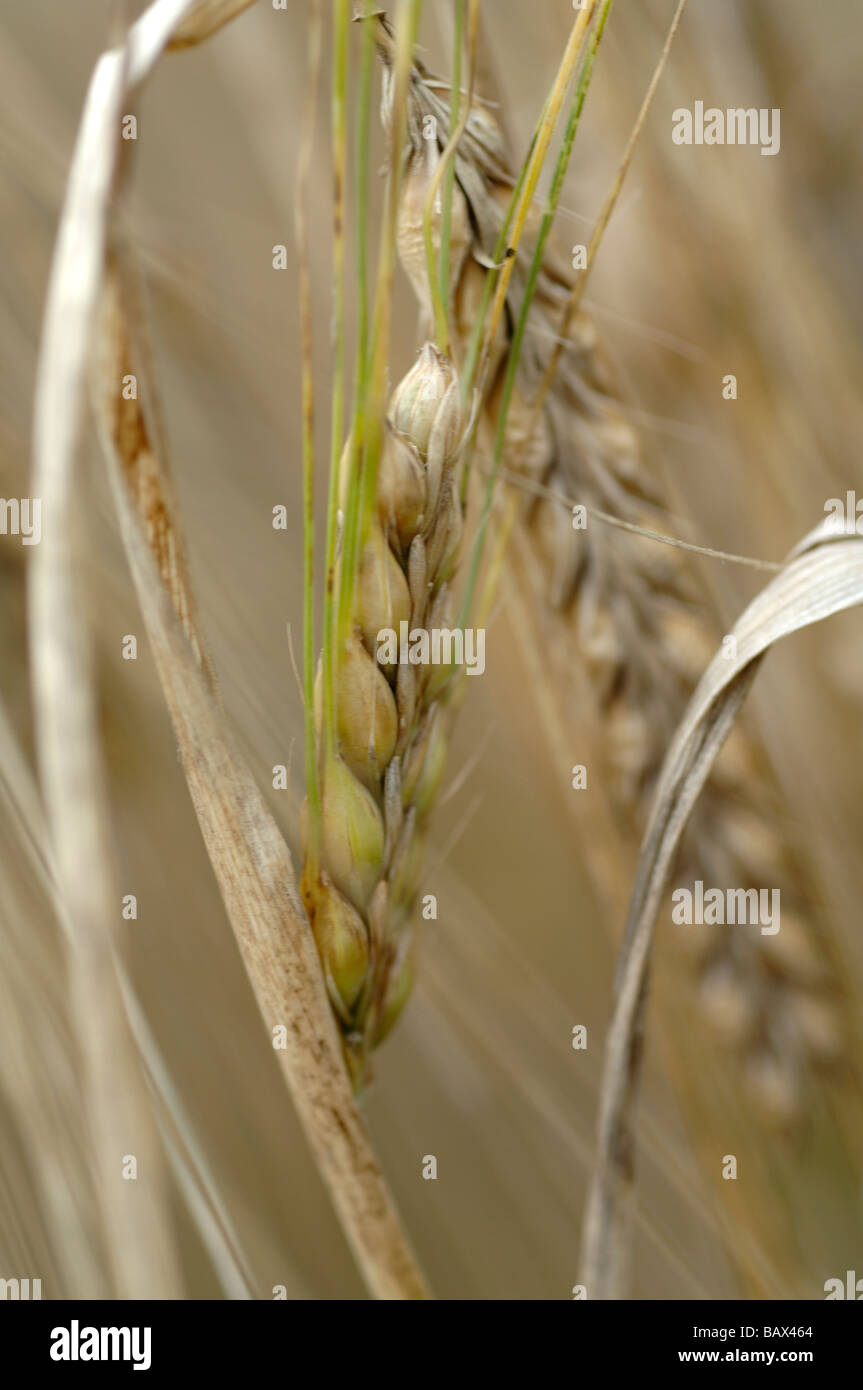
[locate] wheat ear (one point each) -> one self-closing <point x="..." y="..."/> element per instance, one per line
<point x="639" y="622"/>
<point x="379" y="779"/>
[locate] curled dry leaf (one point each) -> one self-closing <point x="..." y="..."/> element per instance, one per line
<point x="137" y="1230"/>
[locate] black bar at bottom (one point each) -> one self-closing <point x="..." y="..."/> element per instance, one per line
<point x="63" y="1339"/>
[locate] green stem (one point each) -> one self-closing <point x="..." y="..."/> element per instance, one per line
<point x="363" y="144"/>
<point x="373" y="408"/>
<point x="438" y="275"/>
<point x="549" y="212"/>
<point x="351" y="493"/>
<point x="341" y="21"/>
<point x="308" y="398"/>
